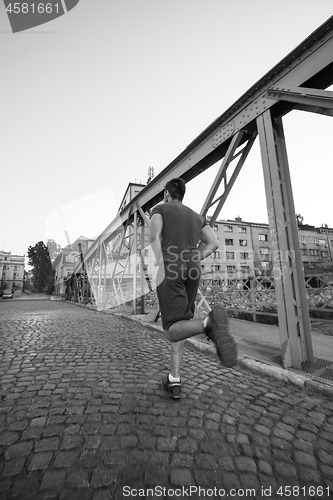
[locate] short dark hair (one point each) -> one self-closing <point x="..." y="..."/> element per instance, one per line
<point x="176" y="188"/>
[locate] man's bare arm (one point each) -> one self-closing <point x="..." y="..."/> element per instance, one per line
<point x="156" y="226"/>
<point x="209" y="239"/>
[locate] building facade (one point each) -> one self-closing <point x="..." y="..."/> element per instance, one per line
<point x="11" y="271"/>
<point x="245" y="250"/>
<point x="65" y="262"/>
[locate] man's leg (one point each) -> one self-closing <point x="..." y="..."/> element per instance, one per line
<point x="216" y="326"/>
<point x="184" y="329"/>
<point x="177" y="351"/>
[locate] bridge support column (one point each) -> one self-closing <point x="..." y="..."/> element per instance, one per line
<point x="294" y="321"/>
<point x="134" y="261"/>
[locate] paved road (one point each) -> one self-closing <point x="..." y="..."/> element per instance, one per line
<point x="82" y="417"/>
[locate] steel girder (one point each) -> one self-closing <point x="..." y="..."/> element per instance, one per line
<point x="297" y="82"/>
<point x="294" y="321"/>
<point x="222" y="173"/>
<point x="113" y="269"/>
<point x="313" y="100"/>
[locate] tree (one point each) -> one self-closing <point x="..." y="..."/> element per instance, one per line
<point x="54" y="249"/>
<point x="42" y="270"/>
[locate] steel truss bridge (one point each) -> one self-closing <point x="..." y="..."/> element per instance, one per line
<point x="114" y="264"/>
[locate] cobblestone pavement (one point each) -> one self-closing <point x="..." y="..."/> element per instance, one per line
<point x="82" y="417"/>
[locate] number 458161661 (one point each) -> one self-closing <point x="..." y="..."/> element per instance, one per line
<point x="25" y="8"/>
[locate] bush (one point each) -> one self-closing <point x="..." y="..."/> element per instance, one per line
<point x="248" y="316"/>
<point x="320" y="314"/>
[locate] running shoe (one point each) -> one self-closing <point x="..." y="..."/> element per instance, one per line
<point x="218" y="330"/>
<point x="172" y="388"/>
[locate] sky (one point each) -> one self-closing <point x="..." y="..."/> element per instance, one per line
<point x="93" y="98"/>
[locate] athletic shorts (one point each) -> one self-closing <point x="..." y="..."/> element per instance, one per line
<point x="178" y="282"/>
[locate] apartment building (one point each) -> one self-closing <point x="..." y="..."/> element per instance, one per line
<point x="11" y="271"/>
<point x="245" y="250"/>
<point x="316" y="248"/>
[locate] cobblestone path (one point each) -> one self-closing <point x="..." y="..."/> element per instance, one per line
<point x="82" y="417"/>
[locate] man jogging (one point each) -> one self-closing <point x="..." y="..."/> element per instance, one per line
<point x="175" y="231"/>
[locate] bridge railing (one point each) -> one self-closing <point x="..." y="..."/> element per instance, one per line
<point x="254" y="299"/>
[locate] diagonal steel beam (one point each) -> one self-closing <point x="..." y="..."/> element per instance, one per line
<point x="303" y="95"/>
<point x="222" y="174"/>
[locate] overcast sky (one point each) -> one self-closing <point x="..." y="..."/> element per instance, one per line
<point x="92" y="99"/>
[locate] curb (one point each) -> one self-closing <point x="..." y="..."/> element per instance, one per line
<point x="299" y="380"/>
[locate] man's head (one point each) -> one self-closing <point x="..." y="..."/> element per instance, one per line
<point x="174" y="189"/>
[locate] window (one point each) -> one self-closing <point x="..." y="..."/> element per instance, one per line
<point x="216" y="255"/>
<point x="324" y="254"/>
<point x="313" y="252"/>
<point x="229" y="242"/>
<point x="243" y="243"/>
<point x="312" y="239"/>
<point x="215" y="227"/>
<point x="263" y="237"/>
<point x="230" y="255"/>
<point x="264" y="251"/>
<point x="322" y="242"/>
<point x="242" y="230"/>
<point x="231" y="269"/>
<point x="245" y="269"/>
<point x="302" y="239"/>
<point x="265" y="265"/>
<point x="215" y="269"/>
<point x="146" y="253"/>
<point x="244" y="255"/>
<point x="228" y="229"/>
<point x="304" y="251"/>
